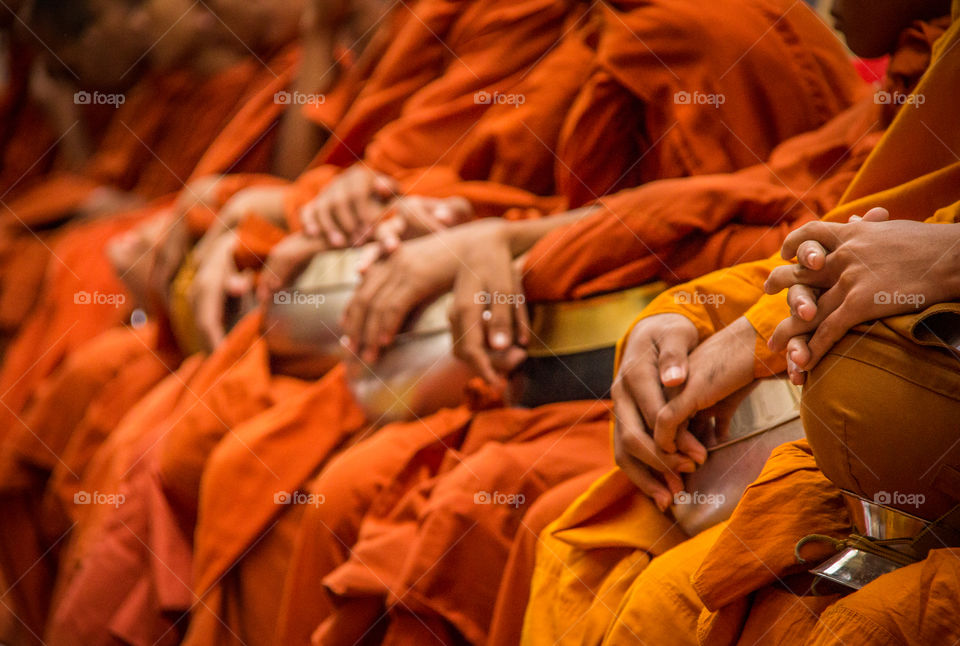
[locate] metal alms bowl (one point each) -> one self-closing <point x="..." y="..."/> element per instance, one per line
<point x="417" y="375"/>
<point x="855" y="568"/>
<point x="768" y="417"/>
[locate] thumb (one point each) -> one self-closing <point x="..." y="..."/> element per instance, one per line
<point x="672" y="359"/>
<point x="385" y="187"/>
<point x="877" y="214"/>
<point x="241" y="283"/>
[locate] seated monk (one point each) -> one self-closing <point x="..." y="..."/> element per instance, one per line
<point x="175" y="485"/>
<point x="47" y="133"/>
<point x="144" y="155"/>
<point x="140" y="155"/>
<point x="395" y="285"/>
<point x="745" y="581"/>
<point x="212" y="378"/>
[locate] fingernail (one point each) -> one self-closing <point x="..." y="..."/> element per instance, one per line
<point x="500" y="340"/>
<point x="672" y="374"/>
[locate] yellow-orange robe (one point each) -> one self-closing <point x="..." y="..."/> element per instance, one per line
<point x="738" y="570"/>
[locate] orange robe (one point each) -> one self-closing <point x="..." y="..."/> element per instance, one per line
<point x="233" y="457"/>
<point x="149" y="161"/>
<point x="838" y="67"/>
<point x="538" y="17"/>
<point x="746" y="583"/>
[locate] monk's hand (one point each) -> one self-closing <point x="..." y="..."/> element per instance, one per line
<point x="718" y="369"/>
<point x="266" y="202"/>
<point x="105" y="200"/>
<point x="216" y="279"/>
<point x="802" y="298"/>
<point x="871" y="269"/>
<point x="411" y="217"/>
<point x="349" y="207"/>
<point x="416" y="273"/>
<point x="489" y="320"/>
<point x="171" y="248"/>
<point x="286" y="260"/>
<point x="654" y="362"/>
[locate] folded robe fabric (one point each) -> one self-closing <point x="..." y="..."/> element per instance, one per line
<point x="739" y="575"/>
<point x="220" y="466"/>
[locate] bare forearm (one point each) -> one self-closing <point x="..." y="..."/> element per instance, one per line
<point x="523" y="234"/>
<point x="300" y="138"/>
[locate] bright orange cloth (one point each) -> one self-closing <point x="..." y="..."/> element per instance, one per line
<point x="383" y="156"/>
<point x="507" y="623"/>
<point x="361" y="580"/>
<point x="679" y="230"/>
<point x="198" y="433"/>
<point x="152" y="579"/>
